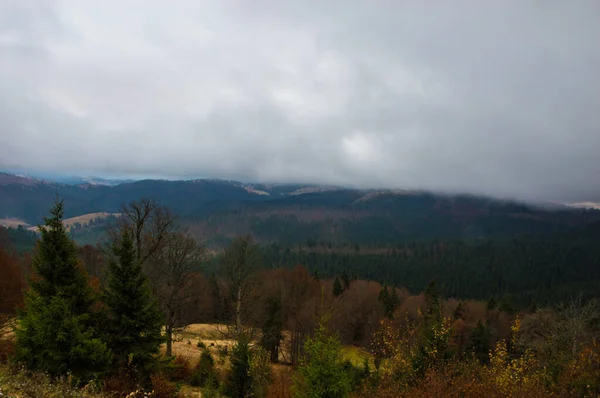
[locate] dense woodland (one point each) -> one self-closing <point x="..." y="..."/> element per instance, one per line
<point x="494" y="317"/>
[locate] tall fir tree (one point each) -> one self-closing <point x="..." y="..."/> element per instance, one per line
<point x="134" y="319"/>
<point x="55" y="332"/>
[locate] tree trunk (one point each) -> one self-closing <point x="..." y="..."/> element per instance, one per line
<point x="169" y="333"/>
<point x="238" y="311"/>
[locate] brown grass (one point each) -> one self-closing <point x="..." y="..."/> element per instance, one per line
<point x="83" y="220"/>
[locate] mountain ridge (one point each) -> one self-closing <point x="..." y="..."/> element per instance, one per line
<point x="217" y="210"/>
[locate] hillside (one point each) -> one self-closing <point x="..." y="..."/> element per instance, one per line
<point x="294" y="214"/>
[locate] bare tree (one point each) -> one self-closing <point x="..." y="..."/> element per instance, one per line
<point x="166" y="252"/>
<point x="242" y="259"/>
<point x="150" y="223"/>
<point x="170" y="273"/>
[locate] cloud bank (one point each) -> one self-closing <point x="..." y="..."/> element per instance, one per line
<point x="500" y="98"/>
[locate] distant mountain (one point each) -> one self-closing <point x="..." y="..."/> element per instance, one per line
<point x="217" y="210"/>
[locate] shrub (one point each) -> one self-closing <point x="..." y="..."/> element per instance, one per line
<point x="205" y="375"/>
<point x="182" y="369"/>
<point x="162" y="387"/>
<point x="201" y="344"/>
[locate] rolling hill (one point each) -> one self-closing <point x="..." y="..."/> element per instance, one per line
<point x="294" y="214"/>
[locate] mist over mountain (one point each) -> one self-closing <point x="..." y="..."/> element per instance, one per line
<point x="217" y="210"/>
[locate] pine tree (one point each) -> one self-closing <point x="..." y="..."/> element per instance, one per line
<point x="322" y="373"/>
<point x="346" y="280"/>
<point x="479" y="343"/>
<point x="134" y="319"/>
<point x="55" y="332"/>
<point x="239" y="381"/>
<point x="337" y="287"/>
<point x="459" y="312"/>
<point x="388" y="301"/>
<point x="271" y="330"/>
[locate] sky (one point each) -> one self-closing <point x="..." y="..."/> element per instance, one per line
<point x="488" y="97"/>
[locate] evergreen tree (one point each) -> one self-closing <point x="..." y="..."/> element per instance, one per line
<point x="271" y="330"/>
<point x="239" y="380"/>
<point x="316" y="275"/>
<point x="479" y="343"/>
<point x="388" y="301"/>
<point x="55" y="332"/>
<point x="433" y="310"/>
<point x="322" y="373"/>
<point x="433" y="347"/>
<point x="134" y="319"/>
<point x="459" y="312"/>
<point x="337" y="287"/>
<point x="345" y="280"/>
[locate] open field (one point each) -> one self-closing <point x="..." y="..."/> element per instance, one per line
<point x="83" y="220"/>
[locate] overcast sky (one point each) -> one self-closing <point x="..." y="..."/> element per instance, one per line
<point x="495" y="97"/>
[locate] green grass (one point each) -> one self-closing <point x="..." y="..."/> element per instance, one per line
<point x="356" y="355"/>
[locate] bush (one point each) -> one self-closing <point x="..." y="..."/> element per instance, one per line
<point x="201" y="344"/>
<point x="162" y="387"/>
<point x="7" y="350"/>
<point x="181" y="369"/>
<point x="17" y="382"/>
<point x="120" y="383"/>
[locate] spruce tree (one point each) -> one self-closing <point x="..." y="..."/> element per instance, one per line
<point x="55" y="332"/>
<point x="346" y="280"/>
<point x="134" y="319"/>
<point x="337" y="287"/>
<point x="239" y="380"/>
<point x="479" y="343"/>
<point x="271" y="329"/>
<point x="322" y="373"/>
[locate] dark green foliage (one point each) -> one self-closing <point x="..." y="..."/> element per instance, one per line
<point x="479" y="343"/>
<point x="134" y="319"/>
<point x="52" y="338"/>
<point x="388" y="301"/>
<point x="20" y="238"/>
<point x="357" y="374"/>
<point x="506" y="305"/>
<point x="459" y="312"/>
<point x="323" y="374"/>
<point x="541" y="271"/>
<point x="55" y="332"/>
<point x="56" y="265"/>
<point x="433" y="346"/>
<point x="272" y="327"/>
<point x="337" y="287"/>
<point x="239" y="380"/>
<point x="205" y="375"/>
<point x="345" y="280"/>
<point x="433" y="307"/>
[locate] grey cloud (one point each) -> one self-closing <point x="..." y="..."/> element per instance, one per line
<point x="499" y="98"/>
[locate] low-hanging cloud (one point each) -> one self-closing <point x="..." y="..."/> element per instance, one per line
<point x="501" y="98"/>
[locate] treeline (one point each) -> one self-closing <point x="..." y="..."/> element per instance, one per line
<point x="524" y="271"/>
